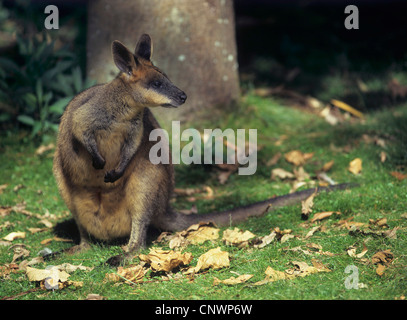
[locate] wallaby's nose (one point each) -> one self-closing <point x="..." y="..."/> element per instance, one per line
<point x="183" y="97"/>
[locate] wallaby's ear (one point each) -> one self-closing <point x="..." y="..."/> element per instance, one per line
<point x="144" y="48"/>
<point x="122" y="57"/>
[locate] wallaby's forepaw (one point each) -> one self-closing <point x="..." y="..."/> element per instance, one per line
<point x="119" y="260"/>
<point x="112" y="176"/>
<point x="98" y="163"/>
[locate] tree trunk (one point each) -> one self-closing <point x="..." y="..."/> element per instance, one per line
<point x="194" y="44"/>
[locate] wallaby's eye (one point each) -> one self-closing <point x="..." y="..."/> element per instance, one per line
<point x="156" y="84"/>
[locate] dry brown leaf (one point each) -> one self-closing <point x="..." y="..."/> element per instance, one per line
<point x="327" y="166"/>
<point x="199" y="233"/>
<point x="323" y="215"/>
<point x="381" y="222"/>
<point x="237" y="237"/>
<point x="14" y="235"/>
<point x="165" y="260"/>
<point x="301" y="174"/>
<point x="95" y="296"/>
<point x="42" y="149"/>
<point x="134" y="274"/>
<point x="380" y="269"/>
<point x="302" y="269"/>
<point x="273" y="275"/>
<point x="273" y="161"/>
<point x="233" y="280"/>
<point x="384" y="257"/>
<point x="306" y="205"/>
<point x="383" y="156"/>
<point x="214" y="258"/>
<point x="312" y="231"/>
<point x="281" y="174"/>
<point x="297" y="158"/>
<point x="355" y="166"/>
<point x="57" y="239"/>
<point x="19" y="251"/>
<point x="398" y="175"/>
<point x="352" y="251"/>
<point x="54" y="273"/>
<point x="261" y="242"/>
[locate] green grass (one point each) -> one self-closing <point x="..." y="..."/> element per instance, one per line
<point x="379" y="195"/>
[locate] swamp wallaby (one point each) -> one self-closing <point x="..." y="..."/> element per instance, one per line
<point x="102" y="164"/>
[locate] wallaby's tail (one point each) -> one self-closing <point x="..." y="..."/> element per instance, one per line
<point x="175" y="221"/>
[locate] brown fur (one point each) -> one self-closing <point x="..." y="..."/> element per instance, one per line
<point x="102" y="164"/>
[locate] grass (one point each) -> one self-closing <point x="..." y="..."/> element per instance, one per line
<point x="29" y="179"/>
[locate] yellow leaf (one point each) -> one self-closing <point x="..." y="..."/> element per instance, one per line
<point x="200" y="233"/>
<point x="237" y="237"/>
<point x="355" y="166"/>
<point x="133" y="274"/>
<point x="348" y="108"/>
<point x="281" y="174"/>
<point x="233" y="280"/>
<point x="327" y="166"/>
<point x="380" y="269"/>
<point x="14" y="235"/>
<point x="297" y="158"/>
<point x="54" y="273"/>
<point x="214" y="258"/>
<point x="307" y="204"/>
<point x="323" y="215"/>
<point x="165" y="260"/>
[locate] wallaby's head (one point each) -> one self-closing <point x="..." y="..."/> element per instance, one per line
<point x="149" y="86"/>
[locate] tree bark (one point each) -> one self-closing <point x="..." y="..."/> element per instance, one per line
<point x="194" y="44"/>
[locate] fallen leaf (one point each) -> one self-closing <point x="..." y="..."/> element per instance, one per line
<point x="3" y="187"/>
<point x="381" y="222"/>
<point x="195" y="234"/>
<point x="199" y="233"/>
<point x="57" y="239"/>
<point x="398" y="175"/>
<point x="286" y="237"/>
<point x="14" y="235"/>
<point x="94" y="296"/>
<point x="355" y="166"/>
<point x="273" y="161"/>
<point x="261" y="242"/>
<point x="42" y="149"/>
<point x="214" y="258"/>
<point x="237" y="237"/>
<point x="19" y="252"/>
<point x="380" y="269"/>
<point x="327" y="166"/>
<point x="233" y="280"/>
<point x="297" y="158"/>
<point x="134" y="274"/>
<point x="165" y="260"/>
<point x="53" y="272"/>
<point x="352" y="251"/>
<point x="281" y="174"/>
<point x="301" y="174"/>
<point x="312" y="231"/>
<point x="384" y="257"/>
<point x="69" y="268"/>
<point x="306" y="206"/>
<point x="348" y="108"/>
<point x="383" y="156"/>
<point x="273" y="275"/>
<point x="323" y="215"/>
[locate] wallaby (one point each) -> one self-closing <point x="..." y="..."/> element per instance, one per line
<point x="102" y="165"/>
